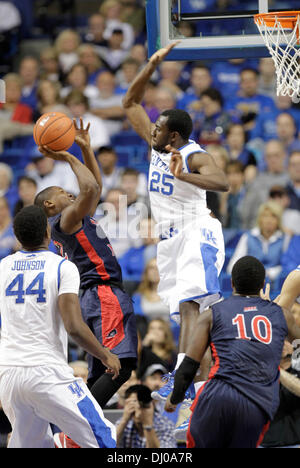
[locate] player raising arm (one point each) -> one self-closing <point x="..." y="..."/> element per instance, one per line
<point x="106" y="307"/>
<point x="190" y="254"/>
<point x="246" y="334"/>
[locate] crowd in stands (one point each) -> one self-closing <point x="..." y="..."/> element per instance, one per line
<point x="238" y="118"/>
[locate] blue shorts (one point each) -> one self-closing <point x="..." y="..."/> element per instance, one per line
<point x="108" y="311"/>
<point x="224" y="418"/>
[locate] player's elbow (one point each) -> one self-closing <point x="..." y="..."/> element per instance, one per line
<point x="127" y="102"/>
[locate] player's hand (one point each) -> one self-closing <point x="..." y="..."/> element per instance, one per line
<point x="111" y="361"/>
<point x="265" y="294"/>
<point x="169" y="408"/>
<point x="176" y="164"/>
<point x="160" y="54"/>
<point x="82" y="137"/>
<point x="56" y="155"/>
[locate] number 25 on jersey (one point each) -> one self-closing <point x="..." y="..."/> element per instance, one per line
<point x="35" y="288"/>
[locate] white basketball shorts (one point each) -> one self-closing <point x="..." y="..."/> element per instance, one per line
<point x="33" y="397"/>
<point x="189" y="264"/>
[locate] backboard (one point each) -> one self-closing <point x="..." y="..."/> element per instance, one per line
<point x="209" y="29"/>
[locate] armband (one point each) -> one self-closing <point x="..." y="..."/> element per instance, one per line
<point x="183" y="378"/>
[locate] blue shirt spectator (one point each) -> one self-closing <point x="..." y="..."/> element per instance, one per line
<point x="7" y="237"/>
<point x="293" y="187"/>
<point x="248" y="104"/>
<point x="267" y="242"/>
<point x="290" y="258"/>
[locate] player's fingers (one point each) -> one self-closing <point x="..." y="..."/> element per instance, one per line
<point x="172" y="150"/>
<point x="75" y="124"/>
<point x="88" y="127"/>
<point x="81" y="123"/>
<point x="174" y="44"/>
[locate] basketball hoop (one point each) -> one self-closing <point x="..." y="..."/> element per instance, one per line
<point x="281" y="34"/>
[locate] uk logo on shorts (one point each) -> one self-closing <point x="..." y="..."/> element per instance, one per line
<point x="75" y="389"/>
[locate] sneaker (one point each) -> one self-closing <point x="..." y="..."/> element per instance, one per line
<point x="63" y="441"/>
<point x="180" y="432"/>
<point x="163" y="393"/>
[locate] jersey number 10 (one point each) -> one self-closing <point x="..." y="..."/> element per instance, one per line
<point x="36" y="288"/>
<point x="261" y="328"/>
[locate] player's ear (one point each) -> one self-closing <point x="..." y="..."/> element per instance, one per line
<point x="48" y="204"/>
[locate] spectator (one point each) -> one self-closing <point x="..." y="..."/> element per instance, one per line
<point x="149" y="101"/>
<point x="49" y="99"/>
<point x="27" y="189"/>
<point x="113" y="54"/>
<point x="284" y="429"/>
<point x="13" y="109"/>
<point x="212" y="123"/>
<point x="7" y="187"/>
<point x="226" y="76"/>
<point x="290" y="258"/>
<point x="134" y="185"/>
<point x="267" y="77"/>
<point x="90" y="59"/>
<point x="108" y="104"/>
<point x="152" y="377"/>
<point x="266" y="126"/>
<point x="78" y="106"/>
<point x="159" y="340"/>
<point x="96" y="28"/>
<point x="124" y="77"/>
<point x="111" y="10"/>
<point x="171" y="77"/>
<point x="164" y="99"/>
<point x="266" y="242"/>
<point x="201" y="80"/>
<point x="133" y="262"/>
<point x="46" y="172"/>
<point x="235" y="145"/>
<point x="141" y="426"/>
<point x="258" y="190"/>
<point x="134" y="14"/>
<point x="286" y="131"/>
<point x="77" y="79"/>
<point x="290" y="217"/>
<point x="138" y="52"/>
<point x="29" y="73"/>
<point x="293" y="186"/>
<point x="66" y="46"/>
<point x="49" y="64"/>
<point x="146" y="300"/>
<point x="231" y="201"/>
<point x="7" y="238"/>
<point x="115" y="222"/>
<point x="110" y="172"/>
<point x="248" y="103"/>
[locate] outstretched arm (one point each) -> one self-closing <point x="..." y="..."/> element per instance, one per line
<point x="82" y="139"/>
<point x="204" y="172"/>
<point x="72" y="215"/>
<point x="135" y="112"/>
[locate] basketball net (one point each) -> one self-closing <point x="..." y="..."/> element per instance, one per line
<point x="281" y="34"/>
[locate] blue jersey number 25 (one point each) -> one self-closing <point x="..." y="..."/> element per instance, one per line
<point x="161" y="183"/>
<point x="36" y="288"/>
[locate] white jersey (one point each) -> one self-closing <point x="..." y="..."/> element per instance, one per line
<point x="174" y="203"/>
<point x="33" y="333"/>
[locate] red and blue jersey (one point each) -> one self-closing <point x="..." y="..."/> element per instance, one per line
<point x="90" y="250"/>
<point x="247" y="338"/>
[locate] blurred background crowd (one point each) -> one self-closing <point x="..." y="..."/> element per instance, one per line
<point x="79" y="57"/>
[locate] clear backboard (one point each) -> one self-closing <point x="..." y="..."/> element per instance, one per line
<point x="209" y="29"/>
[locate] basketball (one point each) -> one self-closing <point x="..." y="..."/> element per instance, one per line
<point x="54" y="130"/>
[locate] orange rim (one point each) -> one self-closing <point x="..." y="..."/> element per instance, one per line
<point x="287" y="19"/>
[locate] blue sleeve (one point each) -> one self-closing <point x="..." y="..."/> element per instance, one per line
<point x="137" y="304"/>
<point x="290" y="258"/>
